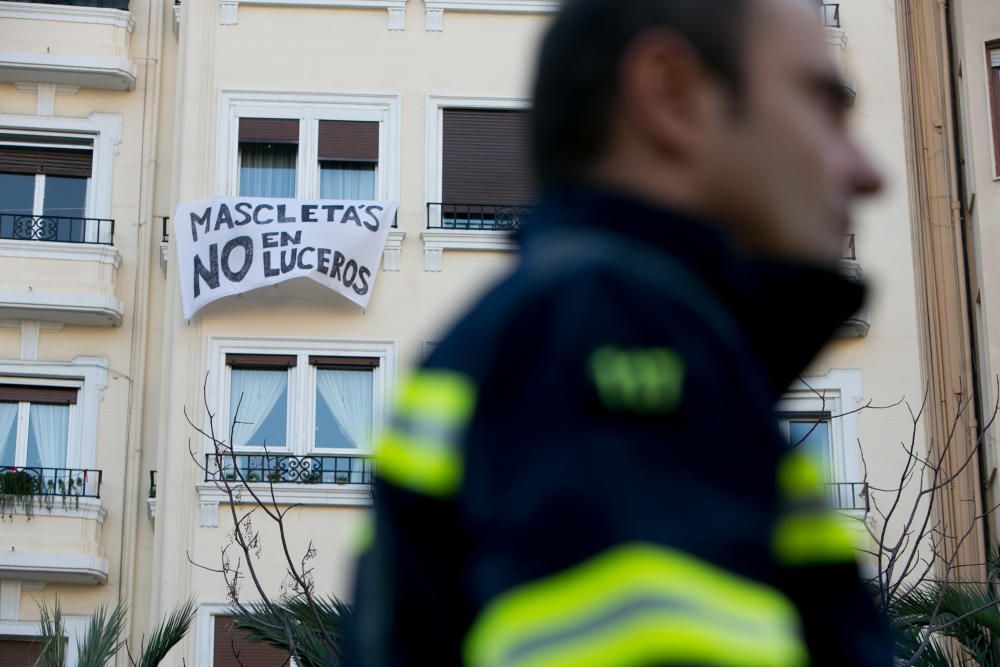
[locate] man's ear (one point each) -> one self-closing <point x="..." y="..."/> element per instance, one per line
<point x="665" y="91"/>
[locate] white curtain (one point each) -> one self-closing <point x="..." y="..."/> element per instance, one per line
<point x="346" y="180"/>
<point x="8" y="434"/>
<point x="267" y="170"/>
<point x="348" y="395"/>
<point x="260" y="391"/>
<point x="48" y="429"/>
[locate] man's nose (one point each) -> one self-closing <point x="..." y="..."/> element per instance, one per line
<point x="866" y="178"/>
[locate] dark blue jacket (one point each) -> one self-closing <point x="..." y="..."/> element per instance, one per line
<point x="587" y="470"/>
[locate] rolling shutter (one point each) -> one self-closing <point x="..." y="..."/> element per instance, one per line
<point x="261" y="360"/>
<point x="345" y="363"/>
<point x="348" y="141"/>
<point x="232" y="648"/>
<point x="269" y="130"/>
<point x="35" y="394"/>
<point x="55" y="156"/>
<point x="485" y="157"/>
<point x="20" y="651"/>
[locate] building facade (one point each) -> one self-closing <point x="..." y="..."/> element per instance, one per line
<point x="111" y="116"/>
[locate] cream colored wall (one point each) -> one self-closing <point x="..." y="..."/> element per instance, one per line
<point x="122" y="484"/>
<point x="977" y="23"/>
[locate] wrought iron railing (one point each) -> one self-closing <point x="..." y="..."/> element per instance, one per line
<point x="850" y="251"/>
<point x="166" y="229"/>
<point x="107" y="4"/>
<point x="51" y="482"/>
<point x="20" y="227"/>
<point x="831" y="14"/>
<point x="152" y="484"/>
<point x="848" y="495"/>
<point x="290" y="469"/>
<point x="477" y="217"/>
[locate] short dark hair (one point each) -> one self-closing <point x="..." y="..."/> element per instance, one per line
<point x="577" y="77"/>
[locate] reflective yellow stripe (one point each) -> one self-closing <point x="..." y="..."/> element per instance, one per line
<point x="818" y="538"/>
<point x="799" y="478"/>
<point x="638" y="604"/>
<point x="645" y="380"/>
<point x="420" y="451"/>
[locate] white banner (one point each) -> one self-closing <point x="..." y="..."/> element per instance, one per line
<point x="231" y="245"/>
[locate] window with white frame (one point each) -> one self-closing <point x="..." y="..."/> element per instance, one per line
<point x="817" y="416"/>
<point x="324" y="146"/>
<point x="304" y="414"/>
<point x="35" y="425"/>
<point x="45" y="179"/>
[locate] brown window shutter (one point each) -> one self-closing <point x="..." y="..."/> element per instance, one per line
<point x="18" y="652"/>
<point x="38" y="394"/>
<point x="993" y="53"/>
<point x="345" y="363"/>
<point x="348" y="140"/>
<point x="485" y="157"/>
<point x="232" y="648"/>
<point x="51" y="161"/>
<point x="261" y="360"/>
<point x="269" y="130"/>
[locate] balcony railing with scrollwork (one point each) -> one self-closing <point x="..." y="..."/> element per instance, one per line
<point x="52" y="482"/>
<point x="848" y="495"/>
<point x="107" y="4"/>
<point x="290" y="469"/>
<point x="831" y="14"/>
<point x="850" y="251"/>
<point x="20" y="227"/>
<point x="476" y="217"/>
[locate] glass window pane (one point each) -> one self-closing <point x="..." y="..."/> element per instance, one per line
<point x="18" y="199"/>
<point x="261" y="398"/>
<point x="343" y="409"/>
<point x="48" y="431"/>
<point x="346" y="180"/>
<point x="811" y="437"/>
<point x="267" y="170"/>
<point x="66" y="197"/>
<point x="8" y="433"/>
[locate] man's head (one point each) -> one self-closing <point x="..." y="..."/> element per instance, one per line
<point x="733" y="109"/>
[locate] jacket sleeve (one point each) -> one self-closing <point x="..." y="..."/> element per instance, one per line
<point x="407" y="600"/>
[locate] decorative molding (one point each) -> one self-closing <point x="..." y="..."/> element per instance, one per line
<point x="74" y="252"/>
<point x="229" y="9"/>
<point x="54" y="567"/>
<point x="836" y="37"/>
<point x="164" y="255"/>
<point x="397" y="18"/>
<point x="391" y="254"/>
<point x="505" y="6"/>
<point x="86" y="71"/>
<point x="30" y="332"/>
<point x="67" y="13"/>
<point x="313" y="495"/>
<point x="438" y="240"/>
<point x="433" y="20"/>
<point x="151" y="509"/>
<point x="10" y="599"/>
<point x="95" y="310"/>
<point x="90" y="509"/>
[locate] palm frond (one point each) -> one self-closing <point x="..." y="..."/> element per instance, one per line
<point x="103" y="638"/>
<point x="166" y="635"/>
<point x="291" y="624"/>
<point x="968" y="614"/>
<point x="53" y="634"/>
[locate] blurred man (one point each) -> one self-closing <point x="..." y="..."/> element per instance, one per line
<point x="587" y="470"/>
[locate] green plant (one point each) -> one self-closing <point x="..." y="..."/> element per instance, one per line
<point x="316" y="630"/>
<point x="253" y="477"/>
<point x="341" y="479"/>
<point x="18" y="489"/>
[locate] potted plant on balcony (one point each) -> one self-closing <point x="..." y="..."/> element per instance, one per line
<point x="342" y="478"/>
<point x="18" y="489"/>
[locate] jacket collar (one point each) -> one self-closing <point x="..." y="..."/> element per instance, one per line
<point x="788" y="311"/>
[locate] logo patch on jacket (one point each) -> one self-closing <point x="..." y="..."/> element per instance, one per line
<point x="645" y="380"/>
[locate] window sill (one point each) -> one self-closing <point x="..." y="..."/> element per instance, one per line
<point x="74" y="508"/>
<point x="229" y="9"/>
<point x="311" y="495"/>
<point x="434" y="16"/>
<point x="438" y="240"/>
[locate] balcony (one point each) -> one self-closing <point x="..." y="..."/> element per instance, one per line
<point x="60" y="270"/>
<point x="830" y="12"/>
<point x="79" y="43"/>
<point x="470" y="227"/>
<point x="849" y="496"/>
<point x="53" y="530"/>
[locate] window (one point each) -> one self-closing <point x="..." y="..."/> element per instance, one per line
<point x="809" y="433"/>
<point x="26" y="651"/>
<point x="232" y="647"/>
<point x="258" y="400"/>
<point x="485" y="174"/>
<point x="309" y="146"/>
<point x="44" y="175"/>
<point x="34" y="425"/>
<point x="993" y="52"/>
